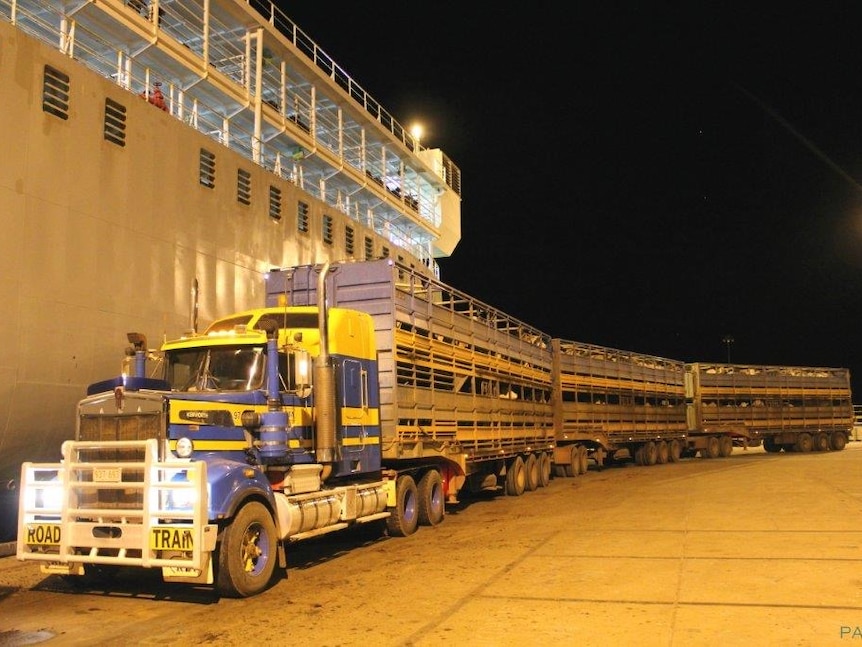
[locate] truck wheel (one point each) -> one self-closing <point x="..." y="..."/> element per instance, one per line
<point x="571" y="467"/>
<point x="838" y="441"/>
<point x="531" y="473"/>
<point x="432" y="502"/>
<point x="725" y="446"/>
<point x="674" y="451"/>
<point x="583" y="465"/>
<point x="663" y="452"/>
<point x="247" y="552"/>
<point x="405" y="517"/>
<point x="650" y="453"/>
<point x="711" y="450"/>
<point x="544" y="469"/>
<point x="515" y="477"/>
<point x="803" y="443"/>
<point x="821" y="442"/>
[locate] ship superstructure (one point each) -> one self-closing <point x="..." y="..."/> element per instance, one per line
<point x="159" y="156"/>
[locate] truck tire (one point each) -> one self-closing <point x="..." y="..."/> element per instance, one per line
<point x="711" y="450"/>
<point x="838" y="441"/>
<point x="663" y="454"/>
<point x="821" y="442"/>
<point x="531" y="473"/>
<point x="582" y="459"/>
<point x="544" y="469"/>
<point x="247" y="552"/>
<point x="515" y="477"/>
<point x="650" y="453"/>
<point x="725" y="446"/>
<point x="803" y="443"/>
<point x="405" y="517"/>
<point x="432" y="501"/>
<point x="674" y="451"/>
<point x="572" y="467"/>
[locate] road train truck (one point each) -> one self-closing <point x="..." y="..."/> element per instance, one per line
<point x="291" y="421"/>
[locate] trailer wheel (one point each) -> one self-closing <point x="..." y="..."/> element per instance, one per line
<point x="515" y="477"/>
<point x="838" y="441"/>
<point x="803" y="443"/>
<point x="432" y="502"/>
<point x="663" y="452"/>
<point x="405" y="517"/>
<point x="247" y="552"/>
<point x="821" y="442"/>
<point x="674" y="451"/>
<point x="544" y="469"/>
<point x="711" y="450"/>
<point x="571" y="468"/>
<point x="650" y="453"/>
<point x="531" y="473"/>
<point x="725" y="446"/>
<point x="640" y="455"/>
<point x="582" y="459"/>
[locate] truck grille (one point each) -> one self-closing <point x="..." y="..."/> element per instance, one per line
<point x="139" y="426"/>
<point x="102" y="430"/>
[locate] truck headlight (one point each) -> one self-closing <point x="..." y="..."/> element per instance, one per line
<point x="46" y="495"/>
<point x="181" y="498"/>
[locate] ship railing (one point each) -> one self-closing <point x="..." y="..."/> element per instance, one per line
<point x="305" y="44"/>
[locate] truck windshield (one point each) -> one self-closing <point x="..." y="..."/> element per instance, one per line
<point x="221" y="368"/>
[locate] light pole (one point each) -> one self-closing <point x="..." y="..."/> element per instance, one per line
<point x="728" y="341"/>
<point x="417" y="131"/>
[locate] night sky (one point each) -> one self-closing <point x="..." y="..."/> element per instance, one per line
<point x="647" y="179"/>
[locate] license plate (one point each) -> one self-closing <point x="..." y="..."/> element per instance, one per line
<point x="107" y="474"/>
<point x="42" y="534"/>
<point x="163" y="538"/>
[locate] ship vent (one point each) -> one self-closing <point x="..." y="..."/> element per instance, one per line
<point x="207" y="168"/>
<point x="327" y="229"/>
<point x="55" y="92"/>
<point x="302" y="217"/>
<point x="275" y="203"/>
<point x="349" y="237"/>
<point x="115" y="122"/>
<point x="243" y="186"/>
